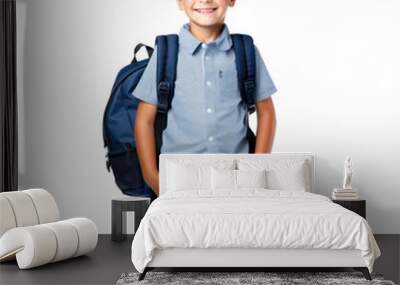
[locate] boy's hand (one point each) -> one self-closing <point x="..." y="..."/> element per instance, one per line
<point x="155" y="184"/>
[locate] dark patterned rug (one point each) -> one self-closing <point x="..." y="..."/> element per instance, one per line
<point x="270" y="278"/>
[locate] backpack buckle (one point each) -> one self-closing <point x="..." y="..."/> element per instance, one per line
<point x="164" y="90"/>
<point x="249" y="87"/>
<point x="251" y="108"/>
<point x="163" y="87"/>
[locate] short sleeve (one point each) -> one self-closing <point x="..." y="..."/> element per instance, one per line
<point x="265" y="87"/>
<point x="145" y="90"/>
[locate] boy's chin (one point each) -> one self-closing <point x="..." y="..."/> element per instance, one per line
<point x="206" y="23"/>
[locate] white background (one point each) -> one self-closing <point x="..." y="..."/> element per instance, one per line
<point x="336" y="65"/>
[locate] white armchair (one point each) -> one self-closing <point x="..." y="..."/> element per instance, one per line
<point x="32" y="233"/>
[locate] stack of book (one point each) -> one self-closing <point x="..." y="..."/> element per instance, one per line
<point x="344" y="194"/>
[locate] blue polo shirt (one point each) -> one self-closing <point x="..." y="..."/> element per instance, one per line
<point x="207" y="113"/>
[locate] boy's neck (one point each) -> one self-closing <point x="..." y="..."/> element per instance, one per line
<point x="206" y="34"/>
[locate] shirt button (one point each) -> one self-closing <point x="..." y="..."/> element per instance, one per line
<point x="207" y="57"/>
<point x="210" y="139"/>
<point x="203" y="45"/>
<point x="208" y="83"/>
<point x="209" y="110"/>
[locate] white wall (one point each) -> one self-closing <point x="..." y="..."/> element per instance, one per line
<point x="335" y="64"/>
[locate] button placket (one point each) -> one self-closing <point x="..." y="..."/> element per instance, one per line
<point x="209" y="96"/>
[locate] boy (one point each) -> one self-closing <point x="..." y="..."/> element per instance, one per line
<point x="207" y="113"/>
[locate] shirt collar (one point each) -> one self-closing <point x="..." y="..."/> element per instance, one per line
<point x="191" y="43"/>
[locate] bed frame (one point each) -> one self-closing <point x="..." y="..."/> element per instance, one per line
<point x="248" y="259"/>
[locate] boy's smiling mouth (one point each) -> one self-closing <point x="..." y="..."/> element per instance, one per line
<point x="205" y="11"/>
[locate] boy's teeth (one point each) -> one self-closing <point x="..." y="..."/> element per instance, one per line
<point x="205" y="10"/>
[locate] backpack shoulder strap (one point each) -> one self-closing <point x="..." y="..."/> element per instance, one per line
<point x="167" y="56"/>
<point x="246" y="68"/>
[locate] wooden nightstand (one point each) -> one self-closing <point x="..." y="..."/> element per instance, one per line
<point x="357" y="206"/>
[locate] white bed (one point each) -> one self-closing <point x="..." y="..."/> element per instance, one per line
<point x="249" y="227"/>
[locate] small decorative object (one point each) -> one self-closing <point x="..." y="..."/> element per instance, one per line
<point x="347" y="192"/>
<point x="348" y="172"/>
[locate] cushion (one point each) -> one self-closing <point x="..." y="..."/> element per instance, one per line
<point x="251" y="178"/>
<point x="27" y="208"/>
<point x="7" y="215"/>
<point x="186" y="174"/>
<point x="223" y="179"/>
<point x="282" y="174"/>
<point x="229" y="179"/>
<point x="23" y="208"/>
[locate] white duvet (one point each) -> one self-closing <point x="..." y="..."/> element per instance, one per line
<point x="250" y="218"/>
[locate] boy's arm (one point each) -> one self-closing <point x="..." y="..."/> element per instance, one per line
<point x="145" y="143"/>
<point x="266" y="125"/>
<point x="146" y="112"/>
<point x="266" y="121"/>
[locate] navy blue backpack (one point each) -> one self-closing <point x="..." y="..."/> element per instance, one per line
<point x="120" y="112"/>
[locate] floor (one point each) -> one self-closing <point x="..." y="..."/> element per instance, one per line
<point x="111" y="259"/>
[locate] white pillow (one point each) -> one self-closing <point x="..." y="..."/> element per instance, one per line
<point x="282" y="174"/>
<point x="229" y="179"/>
<point x="251" y="178"/>
<point x="288" y="179"/>
<point x="223" y="179"/>
<point x="186" y="174"/>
